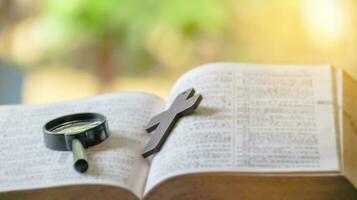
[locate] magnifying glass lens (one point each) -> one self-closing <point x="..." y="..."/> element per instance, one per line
<point x="75" y="127"/>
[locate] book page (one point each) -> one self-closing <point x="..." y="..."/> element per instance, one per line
<point x="253" y="118"/>
<point x="27" y="164"/>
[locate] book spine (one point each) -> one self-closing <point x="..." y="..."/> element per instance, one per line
<point x="350" y="128"/>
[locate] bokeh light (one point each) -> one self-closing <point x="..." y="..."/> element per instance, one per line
<point x="326" y="21"/>
<point x="79" y="48"/>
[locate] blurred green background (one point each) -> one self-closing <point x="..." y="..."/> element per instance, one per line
<point x="55" y="50"/>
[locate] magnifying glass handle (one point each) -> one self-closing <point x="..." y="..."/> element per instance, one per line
<point x="80" y="162"/>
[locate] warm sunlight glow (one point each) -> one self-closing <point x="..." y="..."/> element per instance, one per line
<point x="326" y="20"/>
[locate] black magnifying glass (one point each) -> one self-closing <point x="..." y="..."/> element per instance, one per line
<point x="76" y="133"/>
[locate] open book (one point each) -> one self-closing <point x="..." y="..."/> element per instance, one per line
<point x="261" y="132"/>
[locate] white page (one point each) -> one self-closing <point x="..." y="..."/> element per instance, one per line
<point x="253" y="118"/>
<point x="27" y="164"/>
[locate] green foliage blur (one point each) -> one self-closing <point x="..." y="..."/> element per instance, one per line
<point x="116" y="32"/>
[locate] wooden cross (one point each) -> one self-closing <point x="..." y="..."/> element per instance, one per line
<point x="184" y="104"/>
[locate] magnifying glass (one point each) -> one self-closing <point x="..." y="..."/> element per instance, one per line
<point x="76" y="133"/>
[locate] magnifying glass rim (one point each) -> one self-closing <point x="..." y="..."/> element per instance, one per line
<point x="54" y="123"/>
